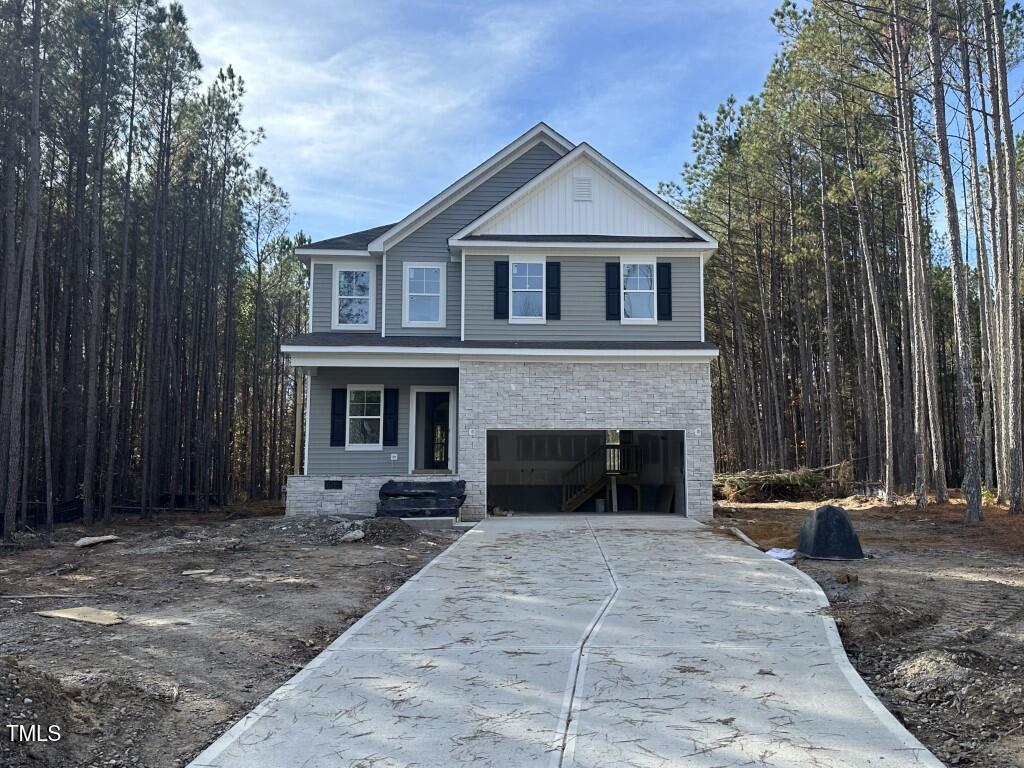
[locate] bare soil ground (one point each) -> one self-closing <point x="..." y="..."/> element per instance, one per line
<point x="195" y="652"/>
<point x="933" y="619"/>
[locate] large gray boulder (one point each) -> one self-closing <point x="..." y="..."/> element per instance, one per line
<point x="827" y="534"/>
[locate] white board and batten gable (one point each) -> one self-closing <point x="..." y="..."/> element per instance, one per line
<point x="586" y="197"/>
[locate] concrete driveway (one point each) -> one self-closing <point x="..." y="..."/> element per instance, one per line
<point x="582" y="641"/>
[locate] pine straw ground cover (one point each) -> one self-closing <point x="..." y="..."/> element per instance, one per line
<point x="933" y="620"/>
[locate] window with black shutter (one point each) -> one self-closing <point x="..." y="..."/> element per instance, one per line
<point x="553" y="289"/>
<point x="390" y="417"/>
<point x="501" y="290"/>
<point x="611" y="290"/>
<point x="664" y="290"/>
<point x="339" y="412"/>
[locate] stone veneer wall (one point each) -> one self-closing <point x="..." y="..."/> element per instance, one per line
<point x="547" y="395"/>
<point x="305" y="494"/>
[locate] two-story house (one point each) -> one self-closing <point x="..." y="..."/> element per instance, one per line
<point x="536" y="329"/>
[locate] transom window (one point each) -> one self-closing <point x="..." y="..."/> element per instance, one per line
<point x="527" y="291"/>
<point x="424" y="295"/>
<point x="638" y="292"/>
<point x="354" y="297"/>
<point x="365" y="418"/>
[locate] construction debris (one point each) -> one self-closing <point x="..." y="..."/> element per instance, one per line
<point x="91" y="541"/>
<point x="85" y="614"/>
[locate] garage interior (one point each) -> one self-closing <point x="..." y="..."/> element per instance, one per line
<point x="594" y="471"/>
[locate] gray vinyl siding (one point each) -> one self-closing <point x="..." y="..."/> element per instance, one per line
<point x="322" y="284"/>
<point x="430" y="241"/>
<point x="325" y="459"/>
<point x="583" y="310"/>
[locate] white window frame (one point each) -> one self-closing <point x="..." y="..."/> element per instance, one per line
<point x="512" y="318"/>
<point x="379" y="445"/>
<point x="653" y="263"/>
<point x="441" y="321"/>
<point x="354" y="266"/>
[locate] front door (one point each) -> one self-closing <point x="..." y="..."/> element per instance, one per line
<point x="435" y="430"/>
<point x="432" y="436"/>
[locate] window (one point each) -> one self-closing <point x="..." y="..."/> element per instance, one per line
<point x="638" y="292"/>
<point x="365" y="419"/>
<point x="527" y="292"/>
<point x="424" y="299"/>
<point x="354" y="296"/>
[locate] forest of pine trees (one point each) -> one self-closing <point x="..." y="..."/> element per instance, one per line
<point x="866" y="296"/>
<point x="147" y="277"/>
<point x="867" y="293"/>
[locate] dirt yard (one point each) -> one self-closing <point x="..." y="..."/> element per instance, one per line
<point x="195" y="652"/>
<point x="933" y="620"/>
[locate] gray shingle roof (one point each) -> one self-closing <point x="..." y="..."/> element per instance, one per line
<point x="354" y="241"/>
<point x="349" y="339"/>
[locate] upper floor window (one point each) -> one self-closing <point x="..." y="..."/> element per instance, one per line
<point x="526" y="295"/>
<point x="424" y="295"/>
<point x="639" y="288"/>
<point x="354" y="291"/>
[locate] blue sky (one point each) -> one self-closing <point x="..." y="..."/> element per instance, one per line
<point x="371" y="108"/>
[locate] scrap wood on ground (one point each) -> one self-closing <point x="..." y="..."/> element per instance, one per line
<point x="933" y="620"/>
<point x="218" y="611"/>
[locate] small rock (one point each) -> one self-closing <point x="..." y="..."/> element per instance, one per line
<point x="354" y="535"/>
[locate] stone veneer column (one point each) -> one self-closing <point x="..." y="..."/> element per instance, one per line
<point x="542" y="395"/>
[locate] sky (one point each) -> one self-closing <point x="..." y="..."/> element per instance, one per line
<point x="371" y="108"/>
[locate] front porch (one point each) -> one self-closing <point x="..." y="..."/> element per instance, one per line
<point x="367" y="425"/>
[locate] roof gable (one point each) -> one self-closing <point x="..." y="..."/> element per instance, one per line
<point x="539" y="133"/>
<point x="587" y="196"/>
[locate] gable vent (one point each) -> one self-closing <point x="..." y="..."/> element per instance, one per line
<point x="583" y="188"/>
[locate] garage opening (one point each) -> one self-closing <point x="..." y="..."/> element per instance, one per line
<point x="614" y="471"/>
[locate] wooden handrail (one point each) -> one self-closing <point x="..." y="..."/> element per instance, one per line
<point x="602" y="461"/>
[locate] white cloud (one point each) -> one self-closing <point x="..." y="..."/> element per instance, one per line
<point x="353" y="103"/>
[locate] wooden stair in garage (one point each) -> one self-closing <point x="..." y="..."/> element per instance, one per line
<point x="604" y="466"/>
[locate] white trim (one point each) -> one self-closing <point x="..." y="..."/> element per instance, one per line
<point x="305" y="436"/>
<point x="702" y="299"/>
<point x="309" y="298"/>
<point x="441" y="357"/>
<point x="356" y="266"/>
<point x="442" y="268"/>
<point x="653" y="263"/>
<point x="686" y="473"/>
<point x="349" y="389"/>
<point x="497" y="161"/>
<point x="462" y="302"/>
<point x="705" y="249"/>
<point x="453" y="407"/>
<point x="330" y="252"/>
<point x="384" y="294"/>
<point x="529" y="259"/>
<point x="585" y="150"/>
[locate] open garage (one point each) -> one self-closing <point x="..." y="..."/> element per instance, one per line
<point x="586" y="470"/>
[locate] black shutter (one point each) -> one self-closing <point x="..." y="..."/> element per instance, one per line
<point x="664" y="290"/>
<point x="339" y="412"/>
<point x="390" y="417"/>
<point x="553" y="289"/>
<point x="501" y="290"/>
<point x="611" y="290"/>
